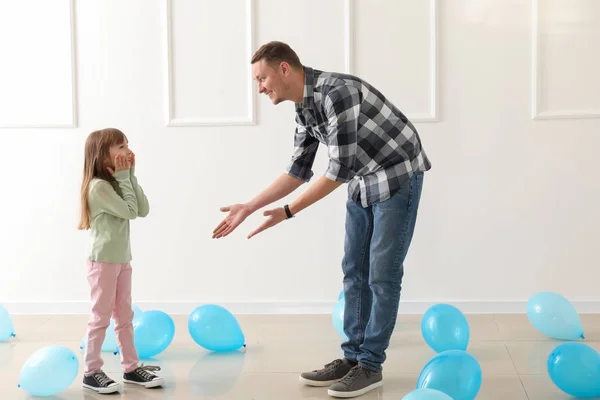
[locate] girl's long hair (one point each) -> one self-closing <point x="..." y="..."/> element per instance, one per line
<point x="96" y="160"/>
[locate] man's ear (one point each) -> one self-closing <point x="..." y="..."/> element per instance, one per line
<point x="285" y="68"/>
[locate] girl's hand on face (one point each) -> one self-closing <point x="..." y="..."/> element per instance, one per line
<point x="132" y="159"/>
<point x="121" y="164"/>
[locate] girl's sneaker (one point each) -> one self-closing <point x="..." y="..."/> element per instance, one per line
<point x="143" y="376"/>
<point x="100" y="383"/>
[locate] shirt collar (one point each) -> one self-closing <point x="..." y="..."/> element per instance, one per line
<point x="308" y="100"/>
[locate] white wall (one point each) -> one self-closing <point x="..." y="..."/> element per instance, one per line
<point x="505" y="95"/>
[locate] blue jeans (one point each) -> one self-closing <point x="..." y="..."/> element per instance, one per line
<point x="376" y="244"/>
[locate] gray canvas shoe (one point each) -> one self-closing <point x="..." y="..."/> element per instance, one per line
<point x="100" y="383"/>
<point x="331" y="373"/>
<point x="356" y="383"/>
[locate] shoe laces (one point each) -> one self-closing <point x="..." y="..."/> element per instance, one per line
<point x="352" y="374"/>
<point x="332" y="366"/>
<point x="102" y="378"/>
<point x="146" y="371"/>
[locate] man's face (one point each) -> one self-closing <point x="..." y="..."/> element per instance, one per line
<point x="271" y="81"/>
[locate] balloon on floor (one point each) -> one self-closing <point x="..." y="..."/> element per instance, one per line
<point x="215" y="328"/>
<point x="453" y="372"/>
<point x="444" y="327"/>
<point x="575" y="369"/>
<point x="153" y="332"/>
<point x="426" y="394"/>
<point x="49" y="371"/>
<point x="7" y="329"/>
<point x="554" y="316"/>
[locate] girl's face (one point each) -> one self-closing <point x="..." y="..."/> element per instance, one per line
<point x="122" y="149"/>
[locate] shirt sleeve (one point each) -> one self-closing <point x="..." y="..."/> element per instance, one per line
<point x="104" y="198"/>
<point x="303" y="158"/>
<point x="342" y="107"/>
<point x="142" y="200"/>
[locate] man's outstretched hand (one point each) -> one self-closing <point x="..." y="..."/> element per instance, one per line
<point x="237" y="214"/>
<point x="281" y="187"/>
<point x="275" y="216"/>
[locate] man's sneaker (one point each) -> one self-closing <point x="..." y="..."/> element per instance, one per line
<point x="357" y="382"/>
<point x="100" y="383"/>
<point x="331" y="373"/>
<point x="143" y="376"/>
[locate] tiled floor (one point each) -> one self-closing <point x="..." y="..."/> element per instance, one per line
<point x="511" y="352"/>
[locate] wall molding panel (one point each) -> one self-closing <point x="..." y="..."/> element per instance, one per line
<point x="536" y="81"/>
<point x="171" y="120"/>
<point x="430" y="115"/>
<point x="71" y="122"/>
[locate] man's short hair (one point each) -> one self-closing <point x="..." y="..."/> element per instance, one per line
<point x="275" y="53"/>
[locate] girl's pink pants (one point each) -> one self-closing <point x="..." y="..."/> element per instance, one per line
<point x="110" y="286"/>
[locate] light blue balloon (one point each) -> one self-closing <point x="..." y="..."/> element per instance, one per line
<point x="554" y="316"/>
<point x="153" y="333"/>
<point x="575" y="369"/>
<point x="215" y="328"/>
<point x="453" y="372"/>
<point x="337" y="317"/>
<point x="7" y="329"/>
<point x="444" y="327"/>
<point x="426" y="394"/>
<point x="49" y="371"/>
<point x="110" y="344"/>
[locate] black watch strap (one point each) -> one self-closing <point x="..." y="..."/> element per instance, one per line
<point x="287" y="211"/>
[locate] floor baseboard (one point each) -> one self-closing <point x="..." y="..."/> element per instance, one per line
<point x="275" y="307"/>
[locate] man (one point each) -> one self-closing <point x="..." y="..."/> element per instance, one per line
<point x="375" y="150"/>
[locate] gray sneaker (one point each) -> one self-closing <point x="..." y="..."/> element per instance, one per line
<point x="331" y="373"/>
<point x="356" y="383"/>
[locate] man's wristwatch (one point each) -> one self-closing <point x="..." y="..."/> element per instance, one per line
<point x="287" y="211"/>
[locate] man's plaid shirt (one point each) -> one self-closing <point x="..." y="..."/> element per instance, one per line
<point x="371" y="144"/>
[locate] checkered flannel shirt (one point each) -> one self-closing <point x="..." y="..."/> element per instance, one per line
<point x="371" y="145"/>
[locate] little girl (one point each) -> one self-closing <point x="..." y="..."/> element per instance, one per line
<point x="110" y="197"/>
